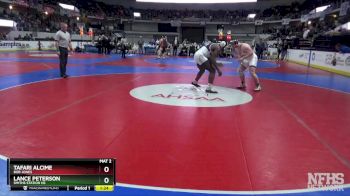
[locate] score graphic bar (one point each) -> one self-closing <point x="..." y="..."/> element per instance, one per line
<point x="61" y="174"/>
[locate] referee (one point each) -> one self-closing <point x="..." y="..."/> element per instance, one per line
<point x="63" y="44"/>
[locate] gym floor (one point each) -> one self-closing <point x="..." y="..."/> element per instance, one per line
<point x="178" y="140"/>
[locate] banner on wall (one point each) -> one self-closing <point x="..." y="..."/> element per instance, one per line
<point x="11" y="45"/>
<point x="21" y="3"/>
<point x="298" y="56"/>
<point x="235" y="23"/>
<point x="329" y="61"/>
<point x="7" y="46"/>
<point x="286" y="21"/>
<point x="259" y="22"/>
<point x="344" y="8"/>
<point x="304" y="18"/>
<point x="322" y="16"/>
<point x="175" y="23"/>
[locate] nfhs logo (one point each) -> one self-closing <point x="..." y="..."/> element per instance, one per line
<point x="326" y="181"/>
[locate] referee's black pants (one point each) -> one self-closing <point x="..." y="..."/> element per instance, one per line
<point x="63" y="60"/>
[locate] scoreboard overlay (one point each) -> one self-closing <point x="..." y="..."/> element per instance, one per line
<point x="61" y="174"/>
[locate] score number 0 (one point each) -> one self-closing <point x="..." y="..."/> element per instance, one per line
<point x="106" y="170"/>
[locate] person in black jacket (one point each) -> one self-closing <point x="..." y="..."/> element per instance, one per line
<point x="123" y="47"/>
<point x="175" y="46"/>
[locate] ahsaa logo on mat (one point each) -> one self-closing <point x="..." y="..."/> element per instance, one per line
<point x="187" y="95"/>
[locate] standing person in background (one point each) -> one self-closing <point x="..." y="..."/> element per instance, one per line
<point x="39" y="45"/>
<point x="63" y="45"/>
<point x="185" y="48"/>
<point x="175" y="46"/>
<point x="279" y="48"/>
<point x="185" y="42"/>
<point x="140" y="44"/>
<point x="259" y="48"/>
<point x="157" y="41"/>
<point x="115" y="44"/>
<point x="123" y="47"/>
<point x="108" y="45"/>
<point x="99" y="44"/>
<point x="284" y="50"/>
<point x="265" y="48"/>
<point x="192" y="49"/>
<point x="163" y="45"/>
<point x="103" y="43"/>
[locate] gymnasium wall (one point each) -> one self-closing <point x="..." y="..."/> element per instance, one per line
<point x="147" y="27"/>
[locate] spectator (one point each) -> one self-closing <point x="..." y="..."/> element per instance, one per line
<point x="342" y="48"/>
<point x="285" y="47"/>
<point x="306" y="33"/>
<point x="123" y="47"/>
<point x="140" y="44"/>
<point x="259" y="47"/>
<point x="175" y="45"/>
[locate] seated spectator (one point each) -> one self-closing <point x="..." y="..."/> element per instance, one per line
<point x="192" y="49"/>
<point x="342" y="48"/>
<point x="306" y="33"/>
<point x="78" y="49"/>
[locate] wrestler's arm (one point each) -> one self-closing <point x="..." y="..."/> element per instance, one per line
<point x="214" y="64"/>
